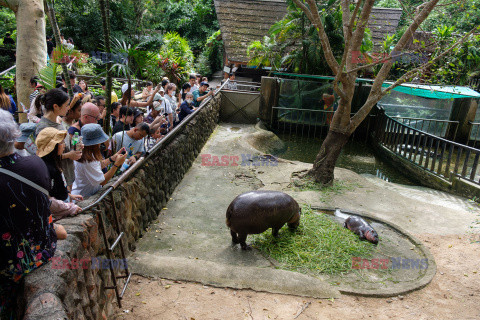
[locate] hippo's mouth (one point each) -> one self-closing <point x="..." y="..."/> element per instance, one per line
<point x="371" y="237"/>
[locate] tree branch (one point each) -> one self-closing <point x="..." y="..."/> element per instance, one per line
<point x="384" y="71"/>
<point x="314" y="17"/>
<point x="371" y="101"/>
<point x="11" y="4"/>
<point x="361" y="25"/>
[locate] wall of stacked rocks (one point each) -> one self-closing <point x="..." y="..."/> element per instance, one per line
<point x="71" y="286"/>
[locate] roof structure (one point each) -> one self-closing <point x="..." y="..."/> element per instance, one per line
<point x="244" y="21"/>
<point x="382" y="22"/>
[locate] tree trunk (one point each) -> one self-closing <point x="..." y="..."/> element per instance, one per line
<point x="56" y="33"/>
<point x="324" y="164"/>
<point x="31" y="50"/>
<point x="105" y="11"/>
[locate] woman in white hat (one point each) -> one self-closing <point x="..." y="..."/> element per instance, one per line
<point x="89" y="177"/>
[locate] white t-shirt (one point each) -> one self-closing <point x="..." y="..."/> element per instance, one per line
<point x="167" y="106"/>
<point x="88" y="177"/>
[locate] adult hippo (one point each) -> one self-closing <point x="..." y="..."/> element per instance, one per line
<point x="255" y="211"/>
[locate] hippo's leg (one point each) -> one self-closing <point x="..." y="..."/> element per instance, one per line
<point x="275" y="232"/>
<point x="241" y="239"/>
<point x="361" y="235"/>
<point x="234" y="237"/>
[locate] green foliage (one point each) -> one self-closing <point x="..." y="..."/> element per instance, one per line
<point x="81" y="21"/>
<point x="194" y="20"/>
<point x="48" y="75"/>
<point x="211" y="58"/>
<point x="293" y="43"/>
<point x="319" y="245"/>
<point x="8" y="81"/>
<point x="457" y="67"/>
<point x="137" y="21"/>
<point x="87" y="68"/>
<point x="463" y="15"/>
<point x="203" y="65"/>
<point x="265" y="54"/>
<point x="9" y="23"/>
<point x="176" y="57"/>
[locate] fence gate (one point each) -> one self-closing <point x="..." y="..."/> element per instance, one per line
<point x="239" y="106"/>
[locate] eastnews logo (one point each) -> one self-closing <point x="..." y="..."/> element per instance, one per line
<point x="379" y="57"/>
<point x="392" y="263"/>
<point x="87" y="263"/>
<point x="209" y="160"/>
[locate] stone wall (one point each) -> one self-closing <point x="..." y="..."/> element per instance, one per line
<point x="67" y="289"/>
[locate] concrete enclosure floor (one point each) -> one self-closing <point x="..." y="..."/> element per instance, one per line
<point x="191" y="241"/>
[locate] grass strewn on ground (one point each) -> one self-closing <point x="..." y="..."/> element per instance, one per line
<point x="319" y="245"/>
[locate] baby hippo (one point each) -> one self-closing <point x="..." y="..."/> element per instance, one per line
<point x="256" y="211"/>
<point x="361" y="228"/>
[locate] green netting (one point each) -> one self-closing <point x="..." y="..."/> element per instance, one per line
<point x="426" y="91"/>
<point x="301" y="101"/>
<point x="435" y="92"/>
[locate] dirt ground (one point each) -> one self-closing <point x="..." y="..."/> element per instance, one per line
<point x="454" y="293"/>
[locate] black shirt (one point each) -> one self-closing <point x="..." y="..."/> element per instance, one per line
<point x="8" y="41"/>
<point x="58" y="184"/>
<point x="185" y="110"/>
<point x="120" y="126"/>
<point x="50" y="47"/>
<point x="28" y="239"/>
<point x="76" y="89"/>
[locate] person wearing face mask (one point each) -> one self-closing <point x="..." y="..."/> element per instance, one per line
<point x="170" y="92"/>
<point x="187" y="107"/>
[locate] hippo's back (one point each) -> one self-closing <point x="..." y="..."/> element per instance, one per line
<point x="256" y="211"/>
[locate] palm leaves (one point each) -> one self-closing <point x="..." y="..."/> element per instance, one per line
<point x="48" y="75"/>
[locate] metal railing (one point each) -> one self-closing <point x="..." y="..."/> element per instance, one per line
<point x="241" y="85"/>
<point x="439" y="156"/>
<point x="6" y="71"/>
<point x="433" y="126"/>
<point x="475" y="83"/>
<point x="474" y="134"/>
<point x="306" y="122"/>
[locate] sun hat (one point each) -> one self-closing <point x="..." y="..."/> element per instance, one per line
<point x="27" y="130"/>
<point x="47" y="139"/>
<point x="93" y="134"/>
<point x="157" y="106"/>
<point x="124" y="88"/>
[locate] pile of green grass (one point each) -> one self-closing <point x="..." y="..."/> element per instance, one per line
<point x="319" y="245"/>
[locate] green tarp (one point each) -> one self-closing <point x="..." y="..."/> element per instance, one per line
<point x="426" y="91"/>
<point x="435" y="92"/>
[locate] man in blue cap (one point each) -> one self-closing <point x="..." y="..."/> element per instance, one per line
<point x="201" y="94"/>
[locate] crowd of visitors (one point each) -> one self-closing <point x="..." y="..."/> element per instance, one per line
<point x="64" y="154"/>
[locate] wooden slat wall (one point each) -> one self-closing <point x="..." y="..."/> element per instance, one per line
<point x="244" y="21"/>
